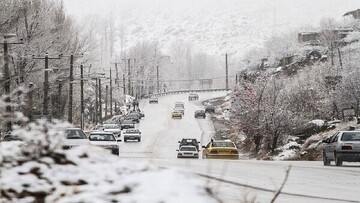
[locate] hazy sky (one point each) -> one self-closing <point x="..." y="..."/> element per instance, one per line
<point x="211" y="25"/>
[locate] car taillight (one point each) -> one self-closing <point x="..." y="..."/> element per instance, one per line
<point x="346" y="147"/>
<point x="214" y="152"/>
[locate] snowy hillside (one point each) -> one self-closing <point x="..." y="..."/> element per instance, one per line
<point x="216" y="27"/>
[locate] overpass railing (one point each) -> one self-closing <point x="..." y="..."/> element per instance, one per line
<point x="184" y="91"/>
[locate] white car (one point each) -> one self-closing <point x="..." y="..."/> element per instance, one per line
<point x="132" y="134"/>
<point x="106" y="140"/>
<point x="114" y="128"/>
<point x="188" y="151"/>
<point x="75" y="137"/>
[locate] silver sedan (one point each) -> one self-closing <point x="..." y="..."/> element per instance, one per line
<point x="342" y="146"/>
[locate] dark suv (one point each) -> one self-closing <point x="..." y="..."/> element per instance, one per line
<point x="210" y="109"/>
<point x="200" y="113"/>
<point x="189" y="141"/>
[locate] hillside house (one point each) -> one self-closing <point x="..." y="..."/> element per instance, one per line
<point x="355" y="14"/>
<point x="309" y="37"/>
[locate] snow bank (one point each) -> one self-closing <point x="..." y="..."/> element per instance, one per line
<point x="86" y="174"/>
<point x="318" y="122"/>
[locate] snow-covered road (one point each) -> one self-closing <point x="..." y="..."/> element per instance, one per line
<point x="240" y="179"/>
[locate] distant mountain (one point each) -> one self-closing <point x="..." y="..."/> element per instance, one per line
<point x="213" y="26"/>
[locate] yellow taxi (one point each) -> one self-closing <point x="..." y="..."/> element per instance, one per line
<point x="176" y="114"/>
<point x="221" y="149"/>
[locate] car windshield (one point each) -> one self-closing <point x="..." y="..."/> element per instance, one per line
<point x="102" y="137"/>
<point x="350" y="136"/>
<point x="75" y="134"/>
<point x="188" y="141"/>
<point x="193" y="149"/>
<point x="132" y="131"/>
<point x="223" y="144"/>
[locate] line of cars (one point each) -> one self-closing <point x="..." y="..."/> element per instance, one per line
<point x="215" y="149"/>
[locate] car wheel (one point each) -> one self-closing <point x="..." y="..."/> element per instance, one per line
<point x="338" y="161"/>
<point x="125" y="140"/>
<point x="326" y="161"/>
<point x="139" y="139"/>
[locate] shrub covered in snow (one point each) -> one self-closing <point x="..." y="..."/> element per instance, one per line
<point x="39" y="170"/>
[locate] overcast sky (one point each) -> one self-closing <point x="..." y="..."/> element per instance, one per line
<point x="246" y="22"/>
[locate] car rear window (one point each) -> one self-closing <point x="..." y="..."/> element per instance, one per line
<point x="193" y="149"/>
<point x="350" y="136"/>
<point x="101" y="137"/>
<point x="223" y="144"/>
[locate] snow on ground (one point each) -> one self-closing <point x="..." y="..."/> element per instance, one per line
<point x="36" y="171"/>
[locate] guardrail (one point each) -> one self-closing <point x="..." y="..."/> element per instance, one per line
<point x="184" y="91"/>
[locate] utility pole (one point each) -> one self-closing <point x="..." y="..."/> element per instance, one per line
<point x="71" y="89"/>
<point x="30" y="101"/>
<point x="71" y="79"/>
<point x="227" y="71"/>
<point x="106" y="100"/>
<point x="59" y="98"/>
<point x="82" y="96"/>
<point x="7" y="81"/>
<point x="129" y="77"/>
<point x="100" y="103"/>
<point x="111" y="95"/>
<point x="124" y="85"/>
<point x="117" y="75"/>
<point x="46" y="81"/>
<point x="157" y="79"/>
<point x="96" y="101"/>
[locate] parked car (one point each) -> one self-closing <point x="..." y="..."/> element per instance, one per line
<point x="193" y="96"/>
<point x="189" y="142"/>
<point x="223" y="149"/>
<point x="188" y="151"/>
<point x="176" y="114"/>
<point x="106" y="140"/>
<point x="135" y="117"/>
<point x="114" y="128"/>
<point x="153" y="100"/>
<point x="342" y="146"/>
<point x="132" y="134"/>
<point x="126" y="124"/>
<point x="210" y="109"/>
<point x="75" y="137"/>
<point x="200" y="113"/>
